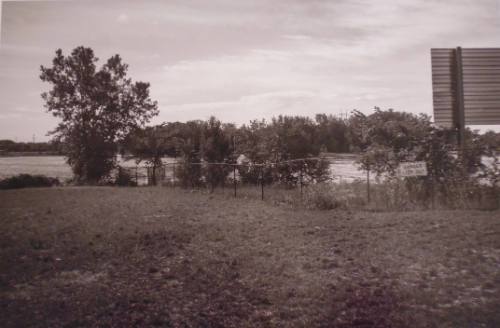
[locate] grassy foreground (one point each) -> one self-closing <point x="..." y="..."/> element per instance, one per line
<point x="171" y="258"/>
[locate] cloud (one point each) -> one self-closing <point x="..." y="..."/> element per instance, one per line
<point x="243" y="60"/>
<point x="308" y="64"/>
<point x="1" y="5"/>
<point x="245" y="108"/>
<point x="122" y="18"/>
<point x="6" y="116"/>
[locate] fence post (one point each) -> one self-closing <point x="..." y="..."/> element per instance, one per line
<point x="223" y="167"/>
<point x="368" y="183"/>
<point x="301" y="182"/>
<point x="262" y="182"/>
<point x="212" y="184"/>
<point x="433" y="192"/>
<point x="173" y="174"/>
<point x="234" y="179"/>
<point x="136" y="176"/>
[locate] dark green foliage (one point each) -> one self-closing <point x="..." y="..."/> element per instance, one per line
<point x="28" y="181"/>
<point x="332" y="133"/>
<point x="252" y="142"/>
<point x="217" y="148"/>
<point x="293" y="137"/>
<point x="388" y="138"/>
<point x="199" y="143"/>
<point x="97" y="107"/>
<point x="124" y="178"/>
<point x="189" y="171"/>
<point x="253" y="174"/>
<point x="491" y="140"/>
<point x="189" y="138"/>
<point x="285" y="140"/>
<point x="9" y="146"/>
<point x="150" y="145"/>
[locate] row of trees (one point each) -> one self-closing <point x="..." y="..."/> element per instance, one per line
<point x="383" y="139"/>
<point x="285" y="138"/>
<point x="388" y="138"/>
<point x="10" y="146"/>
<point x="103" y="113"/>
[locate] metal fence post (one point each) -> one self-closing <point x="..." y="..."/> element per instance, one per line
<point x="221" y="169"/>
<point x="173" y="175"/>
<point x="234" y="179"/>
<point x="433" y="191"/>
<point x="212" y="184"/>
<point x="262" y="182"/>
<point x="301" y="182"/>
<point x="368" y="183"/>
<point x="136" y="176"/>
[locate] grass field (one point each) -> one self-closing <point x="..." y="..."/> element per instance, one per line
<point x="121" y="257"/>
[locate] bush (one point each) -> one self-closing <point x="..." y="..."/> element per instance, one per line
<point x="252" y="174"/>
<point x="322" y="197"/>
<point x="28" y="181"/>
<point x="188" y="174"/>
<point x="216" y="175"/>
<point x="417" y="193"/>
<point x="124" y="178"/>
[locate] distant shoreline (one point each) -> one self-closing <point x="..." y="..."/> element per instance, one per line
<point x="29" y="153"/>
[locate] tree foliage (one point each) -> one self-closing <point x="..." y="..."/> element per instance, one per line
<point x="97" y="107"/>
<point x="10" y="146"/>
<point x="388" y="138"/>
<point x="149" y="145"/>
<point x="273" y="152"/>
<point x="217" y="148"/>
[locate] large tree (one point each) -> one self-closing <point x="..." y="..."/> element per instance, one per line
<point x="97" y="107"/>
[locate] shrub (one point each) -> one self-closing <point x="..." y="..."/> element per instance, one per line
<point x="216" y="175"/>
<point x="28" y="181"/>
<point x="321" y="197"/>
<point x="252" y="174"/>
<point x="189" y="174"/>
<point x="124" y="178"/>
<point x="308" y="171"/>
<point x="407" y="194"/>
<point x="328" y="196"/>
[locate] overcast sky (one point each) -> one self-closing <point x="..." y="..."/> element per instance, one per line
<point x="240" y="60"/>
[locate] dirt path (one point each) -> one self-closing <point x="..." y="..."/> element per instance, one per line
<point x="147" y="256"/>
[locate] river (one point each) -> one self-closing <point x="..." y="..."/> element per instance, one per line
<point x="343" y="167"/>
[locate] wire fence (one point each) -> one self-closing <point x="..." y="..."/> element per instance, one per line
<point x="168" y="174"/>
<point x="342" y="183"/>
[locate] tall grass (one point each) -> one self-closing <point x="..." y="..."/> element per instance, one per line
<point x="388" y="195"/>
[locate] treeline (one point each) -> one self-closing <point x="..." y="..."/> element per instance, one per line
<point x="303" y="135"/>
<point x="384" y="139"/>
<point x="9" y="146"/>
<point x="290" y="137"/>
<point x="284" y="138"/>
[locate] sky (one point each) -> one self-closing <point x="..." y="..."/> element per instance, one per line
<point x="241" y="60"/>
